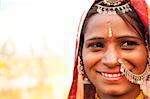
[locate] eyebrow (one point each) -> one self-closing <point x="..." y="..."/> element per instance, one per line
<point x="129" y="36"/>
<point x="94" y="38"/>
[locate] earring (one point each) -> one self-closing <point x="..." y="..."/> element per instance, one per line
<point x="82" y="72"/>
<point x="134" y="78"/>
<point x="86" y="81"/>
<point x="80" y="67"/>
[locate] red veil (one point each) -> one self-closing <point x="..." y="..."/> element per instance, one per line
<point x="77" y="88"/>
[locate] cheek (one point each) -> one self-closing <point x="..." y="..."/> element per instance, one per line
<point x="138" y="59"/>
<point x="141" y="61"/>
<point x="90" y="59"/>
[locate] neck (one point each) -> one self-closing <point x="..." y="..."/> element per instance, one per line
<point x="132" y="94"/>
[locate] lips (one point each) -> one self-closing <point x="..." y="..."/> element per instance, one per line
<point x="111" y="76"/>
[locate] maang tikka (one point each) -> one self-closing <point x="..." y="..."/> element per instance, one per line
<point x="110" y="32"/>
<point x="110" y="7"/>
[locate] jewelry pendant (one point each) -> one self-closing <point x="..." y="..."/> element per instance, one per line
<point x="110" y="32"/>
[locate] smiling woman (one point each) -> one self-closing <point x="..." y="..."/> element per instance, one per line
<point x="112" y="55"/>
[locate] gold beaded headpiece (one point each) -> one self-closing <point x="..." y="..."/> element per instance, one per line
<point x="110" y="7"/>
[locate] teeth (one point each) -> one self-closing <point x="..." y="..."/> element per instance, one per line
<point x="111" y="75"/>
<point x="102" y="74"/>
<point x="115" y="75"/>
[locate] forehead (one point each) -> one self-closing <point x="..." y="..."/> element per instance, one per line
<point x="98" y="25"/>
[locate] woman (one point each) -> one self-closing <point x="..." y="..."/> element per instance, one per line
<point x="112" y="53"/>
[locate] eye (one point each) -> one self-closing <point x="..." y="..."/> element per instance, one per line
<point x="129" y="45"/>
<point x="96" y="45"/>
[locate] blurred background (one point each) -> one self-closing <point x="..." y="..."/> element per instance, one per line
<point x="37" y="40"/>
<point x="36" y="47"/>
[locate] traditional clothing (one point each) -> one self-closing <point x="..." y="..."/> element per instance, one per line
<point x="81" y="90"/>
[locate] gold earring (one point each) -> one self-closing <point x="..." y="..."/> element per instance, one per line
<point x="80" y="67"/>
<point x="86" y="81"/>
<point x="82" y="72"/>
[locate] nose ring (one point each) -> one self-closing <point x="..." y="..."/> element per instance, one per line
<point x="134" y="78"/>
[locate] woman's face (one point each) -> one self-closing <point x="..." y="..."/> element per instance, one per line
<point x="101" y="53"/>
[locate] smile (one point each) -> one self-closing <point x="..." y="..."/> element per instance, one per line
<point x="111" y="76"/>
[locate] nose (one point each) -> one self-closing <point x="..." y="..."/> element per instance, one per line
<point x="110" y="58"/>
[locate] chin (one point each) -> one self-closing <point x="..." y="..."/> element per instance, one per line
<point x="113" y="90"/>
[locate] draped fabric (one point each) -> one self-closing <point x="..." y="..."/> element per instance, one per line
<point x="142" y="10"/>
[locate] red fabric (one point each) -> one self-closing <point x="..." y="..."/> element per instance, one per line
<point x="73" y="90"/>
<point x="142" y="10"/>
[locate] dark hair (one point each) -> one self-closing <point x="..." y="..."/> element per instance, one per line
<point x="131" y="17"/>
